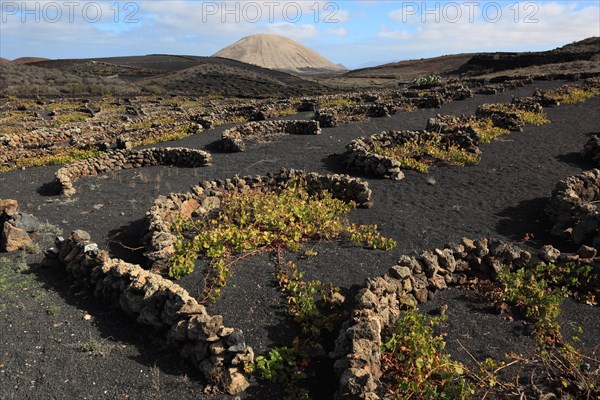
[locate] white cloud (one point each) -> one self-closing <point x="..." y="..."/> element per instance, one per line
<point x="293" y="31"/>
<point x="337" y="32"/>
<point x="547" y="24"/>
<point x="387" y="33"/>
<point x="340" y="16"/>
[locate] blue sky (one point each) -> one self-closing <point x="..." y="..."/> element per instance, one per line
<point x="354" y="33"/>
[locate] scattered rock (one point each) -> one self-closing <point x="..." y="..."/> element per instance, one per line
<point x="234" y="382"/>
<point x="549" y="254"/>
<point x="14" y="238"/>
<point x="79" y="236"/>
<point x="587" y="252"/>
<point x="27" y="222"/>
<point x="188" y="207"/>
<point x="9" y="207"/>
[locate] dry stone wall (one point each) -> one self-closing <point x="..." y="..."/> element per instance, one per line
<point x="574" y="208"/>
<point x="591" y="151"/>
<point x="362" y="155"/>
<point x="217" y="351"/>
<point x="501" y="116"/>
<point x="407" y="100"/>
<point x="127" y="159"/>
<point x="234" y="139"/>
<point x="413" y="280"/>
<point x="159" y="239"/>
<point x="332" y="116"/>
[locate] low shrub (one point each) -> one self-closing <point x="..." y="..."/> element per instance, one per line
<point x="338" y="102"/>
<point x="427" y="81"/>
<point x="311" y="303"/>
<point x="573" y="94"/>
<point x="538" y="292"/>
<point x="487" y="131"/>
<point x="415" y="365"/>
<point x="534" y="118"/>
<point x="283" y="366"/>
<point x="61" y="157"/>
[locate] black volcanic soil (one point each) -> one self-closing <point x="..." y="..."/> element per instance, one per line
<point x="504" y="196"/>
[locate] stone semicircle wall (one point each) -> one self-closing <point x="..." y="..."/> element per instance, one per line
<point x="127" y="159"/>
<point x="361" y="155"/>
<point x="574" y="208"/>
<point x="159" y="240"/>
<point x="234" y="139"/>
<point x="414" y="280"/>
<point x="591" y="150"/>
<point x="217" y="351"/>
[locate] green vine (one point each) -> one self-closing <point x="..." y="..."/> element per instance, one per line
<point x="255" y="221"/>
<point x="538" y="292"/>
<point x="284" y="366"/>
<point x="415" y="364"/>
<point x="312" y="303"/>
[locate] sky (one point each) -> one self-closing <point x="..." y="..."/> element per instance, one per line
<point x="355" y="33"/>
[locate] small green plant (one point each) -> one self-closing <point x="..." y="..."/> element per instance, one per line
<point x="147" y="124"/>
<point x="538" y="293"/>
<point x="91" y="346"/>
<point x="167" y="136"/>
<point x="528" y="290"/>
<point x="310" y="253"/>
<point x="427" y="81"/>
<point x="573" y="94"/>
<point x="415" y="365"/>
<point x="61" y="157"/>
<point x="418" y="155"/>
<point x="338" y="102"/>
<point x="284" y="112"/>
<point x="9" y="116"/>
<point x="32" y="248"/>
<point x="236" y="119"/>
<point x="96" y="347"/>
<point x="525" y="116"/>
<point x="53" y="310"/>
<point x="487" y="131"/>
<point x="534" y="118"/>
<point x="11" y="280"/>
<point x="311" y="303"/>
<point x="282" y="366"/>
<point x="49" y="229"/>
<point x="70" y="106"/>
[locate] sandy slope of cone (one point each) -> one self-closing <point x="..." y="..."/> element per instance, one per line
<point x="276" y="52"/>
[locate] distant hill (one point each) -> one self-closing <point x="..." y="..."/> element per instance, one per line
<point x="4" y="60"/>
<point x="278" y="53"/>
<point x="221" y="76"/>
<point x="161" y="73"/>
<point x="587" y="50"/>
<point x="30" y="80"/>
<point x="411" y="69"/>
<point x="106" y="67"/>
<point x="580" y="56"/>
<point x="28" y="60"/>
